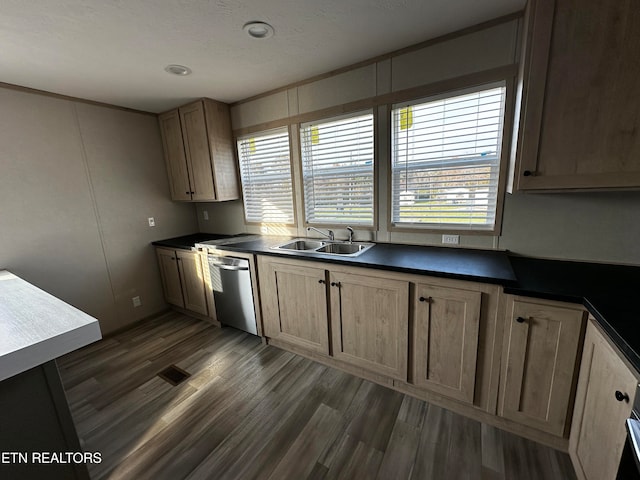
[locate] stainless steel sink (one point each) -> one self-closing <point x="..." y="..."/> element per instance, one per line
<point x="344" y="248"/>
<point x="304" y="245"/>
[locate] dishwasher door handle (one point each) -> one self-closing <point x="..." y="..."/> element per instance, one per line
<point x="228" y="267"/>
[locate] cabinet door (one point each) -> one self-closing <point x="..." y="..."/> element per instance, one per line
<point x="540" y="352"/>
<point x="175" y="159"/>
<point x="598" y="430"/>
<point x="445" y="340"/>
<point x="579" y="125"/>
<point x="193" y="282"/>
<point x="294" y="304"/>
<point x="168" y="262"/>
<point x="196" y="146"/>
<point x="370" y="322"/>
<point x="225" y="171"/>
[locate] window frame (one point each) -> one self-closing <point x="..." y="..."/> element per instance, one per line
<point x="375" y="199"/>
<point x="503" y="163"/>
<point x="285" y="128"/>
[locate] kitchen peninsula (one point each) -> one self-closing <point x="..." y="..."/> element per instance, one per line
<point x="37" y="437"/>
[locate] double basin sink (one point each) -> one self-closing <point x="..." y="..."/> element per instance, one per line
<point x="350" y="249"/>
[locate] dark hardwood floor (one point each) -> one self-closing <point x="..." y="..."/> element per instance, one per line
<point x="252" y="411"/>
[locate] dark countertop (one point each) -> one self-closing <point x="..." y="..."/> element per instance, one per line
<point x="186" y="242"/>
<point x="607" y="291"/>
<point x="477" y="265"/>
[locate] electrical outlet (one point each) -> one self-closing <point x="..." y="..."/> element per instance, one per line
<point x="205" y="215"/>
<point x="451" y="239"/>
<point x="152" y="222"/>
<point x="136" y="302"/>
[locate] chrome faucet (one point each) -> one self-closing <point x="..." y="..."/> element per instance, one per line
<point x="329" y="233"/>
<point x="350" y="234"/>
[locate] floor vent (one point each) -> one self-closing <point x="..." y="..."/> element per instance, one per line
<point x="174" y="375"/>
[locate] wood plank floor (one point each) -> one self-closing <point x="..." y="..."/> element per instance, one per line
<point x="251" y="411"/>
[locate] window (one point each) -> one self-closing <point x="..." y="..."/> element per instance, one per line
<point x="265" y="172"/>
<point x="446" y="160"/>
<point x="337" y="170"/>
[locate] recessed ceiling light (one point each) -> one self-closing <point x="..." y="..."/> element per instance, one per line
<point x="258" y="30"/>
<point x="180" y="70"/>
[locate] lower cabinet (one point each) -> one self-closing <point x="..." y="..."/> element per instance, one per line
<point x="369" y="313"/>
<point x="361" y="317"/>
<point x="183" y="279"/>
<point x="540" y="362"/>
<point x="294" y="304"/>
<point x="604" y="399"/>
<point x="370" y="322"/>
<point x="506" y="360"/>
<point x="445" y="336"/>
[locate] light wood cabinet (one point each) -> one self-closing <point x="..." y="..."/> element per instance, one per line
<point x="198" y="149"/>
<point x="579" y="90"/>
<point x="192" y="280"/>
<point x="369" y="313"/>
<point x="540" y="357"/>
<point x="175" y="159"/>
<point x="370" y="321"/>
<point x="170" y="275"/>
<point x="183" y="279"/>
<point x="445" y="340"/>
<point x="294" y="303"/>
<point x="597" y="432"/>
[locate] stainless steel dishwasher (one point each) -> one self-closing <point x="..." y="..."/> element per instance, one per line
<point x="232" y="293"/>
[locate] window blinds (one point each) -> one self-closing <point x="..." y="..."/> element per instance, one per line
<point x="446" y="160"/>
<point x="337" y="170"/>
<point x="265" y="173"/>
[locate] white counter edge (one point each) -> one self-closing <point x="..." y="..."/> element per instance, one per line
<point x="19" y="361"/>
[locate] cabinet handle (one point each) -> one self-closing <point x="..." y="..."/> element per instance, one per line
<point x="173" y="258"/>
<point x="528" y="173"/>
<point x="187" y="193"/>
<point x="335" y="284"/>
<point x="621" y="396"/>
<point x="425" y="299"/>
<point x="321" y="281"/>
<point x="521" y="320"/>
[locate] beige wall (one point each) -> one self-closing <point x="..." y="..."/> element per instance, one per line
<point x="77" y="184"/>
<point x="598" y="226"/>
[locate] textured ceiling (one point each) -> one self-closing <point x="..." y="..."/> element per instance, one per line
<point x="115" y="51"/>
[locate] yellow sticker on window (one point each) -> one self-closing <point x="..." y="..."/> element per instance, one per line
<point x="406" y="118"/>
<point x="315" y="135"/>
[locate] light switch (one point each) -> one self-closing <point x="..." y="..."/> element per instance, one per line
<point x="152" y="222"/>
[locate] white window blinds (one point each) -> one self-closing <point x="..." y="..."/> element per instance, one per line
<point x="446" y="160"/>
<point x="337" y="170"/>
<point x="265" y="172"/>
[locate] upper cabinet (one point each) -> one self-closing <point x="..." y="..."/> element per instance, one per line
<point x="198" y="149"/>
<point x="577" y="105"/>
